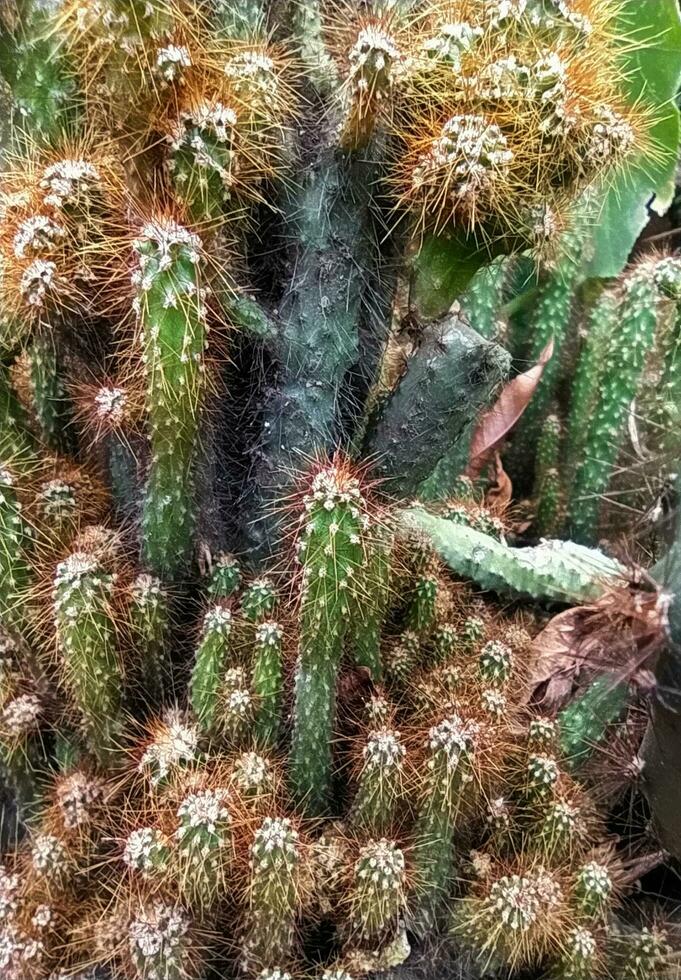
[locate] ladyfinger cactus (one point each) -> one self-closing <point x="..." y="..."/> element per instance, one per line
<point x="210" y="665"/>
<point x="274" y="893"/>
<point x="86" y="633"/>
<point x="450" y="750"/>
<point x="267" y="682"/>
<point x="203" y="851"/>
<point x="173" y="334"/>
<point x="332" y="557"/>
<point x="149" y="616"/>
<point x="618" y="386"/>
<point x="378" y="894"/>
<point x="15" y="540"/>
<point x="381" y="782"/>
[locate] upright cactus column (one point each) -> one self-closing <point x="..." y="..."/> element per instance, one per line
<point x="331" y="553"/>
<point x="450" y="754"/>
<point x="150" y="623"/>
<point x="267" y="681"/>
<point x="86" y="633"/>
<point x="618" y="386"/>
<point x="274" y="893"/>
<point x="210" y="665"/>
<point x="14" y="569"/>
<point x="173" y="332"/>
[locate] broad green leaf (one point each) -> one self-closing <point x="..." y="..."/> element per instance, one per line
<point x="653" y="69"/>
<point x="443" y="268"/>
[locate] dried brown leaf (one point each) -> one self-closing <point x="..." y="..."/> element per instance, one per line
<point x="497" y="422"/>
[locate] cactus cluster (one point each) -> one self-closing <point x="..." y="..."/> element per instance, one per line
<point x="254" y="718"/>
<point x="283" y="784"/>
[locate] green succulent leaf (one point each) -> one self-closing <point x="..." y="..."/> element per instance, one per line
<point x="653" y="75"/>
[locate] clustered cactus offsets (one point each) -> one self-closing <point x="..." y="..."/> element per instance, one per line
<point x="283" y="794"/>
<point x="254" y="719"/>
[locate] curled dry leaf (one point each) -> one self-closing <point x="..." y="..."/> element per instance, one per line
<point x="497" y="422"/>
<point x="621" y="633"/>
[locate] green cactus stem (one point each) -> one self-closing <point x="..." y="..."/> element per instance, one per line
<point x="203" y="159"/>
<point x="318" y="338"/>
<point x="149" y="614"/>
<point x="15" y="541"/>
<point x="586" y="720"/>
<point x="50" y="400"/>
<point x="225" y="577"/>
<point x="243" y="19"/>
<point x="547" y="481"/>
<point x="580" y="959"/>
<point x="380" y="784"/>
<point x="450" y="746"/>
<point x="172" y="322"/>
<point x="236" y="709"/>
<point x="174" y="745"/>
<point x="212" y="657"/>
<point x="378" y="895"/>
<point x="148" y="851"/>
<point x="549" y="322"/>
<point x="204" y="845"/>
<point x="483" y="297"/>
<point x="400" y="659"/>
<point x="592" y="890"/>
<point x="160" y="942"/>
<point x="274" y="893"/>
<point x="259" y="600"/>
<point x="641" y="955"/>
<point x="86" y="633"/>
<point x="422" y="611"/>
<point x="307" y="26"/>
<point x="601" y="324"/>
<point x="267" y="682"/>
<point x="369" y="607"/>
<point x="22" y="754"/>
<point x="618" y="386"/>
<point x="452" y="375"/>
<point x="331" y="554"/>
<point x="554" y="570"/>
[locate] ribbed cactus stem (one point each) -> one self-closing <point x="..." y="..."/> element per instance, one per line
<point x="150" y="624"/>
<point x="400" y="658"/>
<point x="159" y="942"/>
<point x="204" y="158"/>
<point x="450" y="750"/>
<point x="21" y="752"/>
<point x="547" y="480"/>
<point x="592" y="889"/>
<point x="308" y="31"/>
<point x="601" y="324"/>
<point x="422" y="612"/>
<point x="236" y="709"/>
<point x="510" y="924"/>
<point x="274" y="897"/>
<point x="495" y="663"/>
<point x="204" y="845"/>
<point x="586" y="720"/>
<point x="211" y="662"/>
<point x="173" y="330"/>
<point x="15" y="539"/>
<point x="560" y="828"/>
<point x="618" y="386"/>
<point x="331" y="554"/>
<point x="580" y="958"/>
<point x="549" y="322"/>
<point x="259" y="600"/>
<point x="643" y="955"/>
<point x="380" y="786"/>
<point x="378" y="896"/>
<point x="370" y="605"/>
<point x="50" y="399"/>
<point x="482" y="299"/>
<point x="225" y="577"/>
<point x="147" y="851"/>
<point x="86" y="633"/>
<point x="252" y="778"/>
<point x="267" y="682"/>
